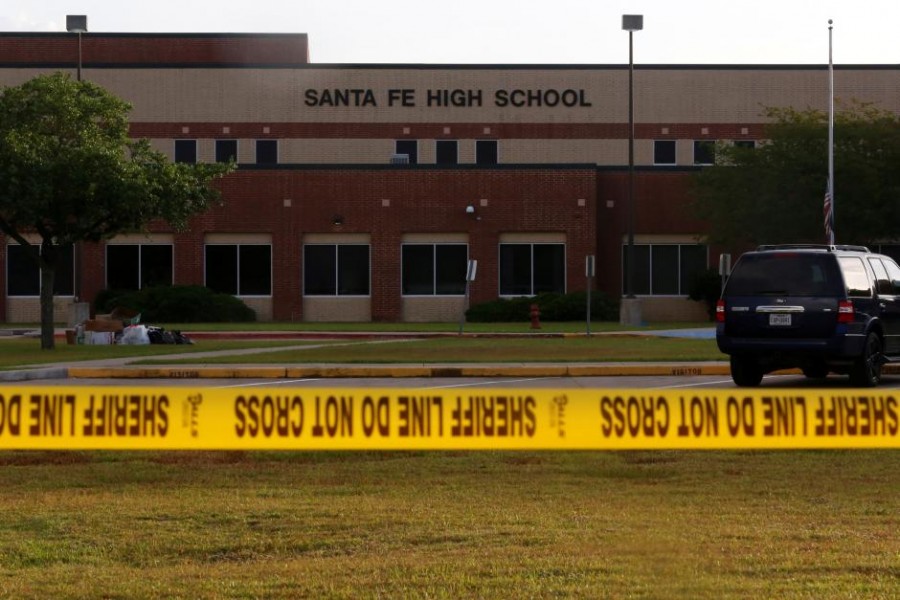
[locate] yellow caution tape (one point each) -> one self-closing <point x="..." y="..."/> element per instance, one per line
<point x="389" y="419"/>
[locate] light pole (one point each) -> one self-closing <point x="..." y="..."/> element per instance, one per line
<point x="630" y="312"/>
<point x="79" y="310"/>
<point x="77" y="24"/>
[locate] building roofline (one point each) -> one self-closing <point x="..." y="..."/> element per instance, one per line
<point x="435" y="67"/>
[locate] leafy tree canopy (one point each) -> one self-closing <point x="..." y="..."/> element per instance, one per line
<point x="774" y="193"/>
<point x="70" y="173"/>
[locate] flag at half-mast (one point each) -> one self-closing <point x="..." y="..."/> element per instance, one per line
<point x="828" y="208"/>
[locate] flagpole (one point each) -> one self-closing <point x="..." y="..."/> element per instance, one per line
<point x="831" y="132"/>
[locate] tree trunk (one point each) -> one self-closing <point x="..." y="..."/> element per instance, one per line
<point x="48" y="275"/>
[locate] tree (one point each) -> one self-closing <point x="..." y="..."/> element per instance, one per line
<point x="774" y="193"/>
<point x="70" y="173"/>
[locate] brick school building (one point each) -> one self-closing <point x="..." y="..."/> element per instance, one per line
<point x="364" y="190"/>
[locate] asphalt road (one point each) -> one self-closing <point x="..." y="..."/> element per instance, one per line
<point x="662" y="382"/>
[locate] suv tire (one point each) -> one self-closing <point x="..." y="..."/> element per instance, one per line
<point x="745" y="371"/>
<point x="866" y="370"/>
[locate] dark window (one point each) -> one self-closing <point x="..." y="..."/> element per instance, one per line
<point x="410" y="148"/>
<point x="693" y="262"/>
<point x="226" y="150"/>
<point x="788" y="274"/>
<point x="255" y="269"/>
<point x="447" y="152"/>
<point x="137" y="266"/>
<point x="529" y="269"/>
<point x="23" y="276"/>
<point x="664" y="273"/>
<point x="336" y="270"/>
<point x="353" y="270"/>
<point x="239" y="269"/>
<point x="418" y="269"/>
<point x="123" y="271"/>
<point x="266" y="152"/>
<point x="185" y="151"/>
<point x="664" y="152"/>
<point x="746" y="144"/>
<point x="320" y="270"/>
<point x="641" y="278"/>
<point x="664" y="269"/>
<point x="486" y="152"/>
<point x="704" y="152"/>
<point x="156" y="265"/>
<point x="434" y="269"/>
<point x="221" y="268"/>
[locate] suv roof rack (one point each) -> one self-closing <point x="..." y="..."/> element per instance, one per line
<point x="843" y="247"/>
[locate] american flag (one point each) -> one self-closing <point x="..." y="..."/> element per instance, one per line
<point x="828" y="211"/>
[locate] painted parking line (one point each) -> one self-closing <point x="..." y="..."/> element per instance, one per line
<point x="240" y="385"/>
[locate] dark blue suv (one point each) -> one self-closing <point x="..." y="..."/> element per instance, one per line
<point x="820" y="308"/>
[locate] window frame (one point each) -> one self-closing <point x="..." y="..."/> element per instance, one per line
<point x="30" y="266"/>
<point x="532" y="288"/>
<point x="175" y="153"/>
<point x="434" y="269"/>
<point x="414" y="155"/>
<point x="445" y="143"/>
<point x="656" y="152"/>
<point x="140" y="263"/>
<point x="336" y="293"/>
<point x="495" y="152"/>
<point x="276" y="145"/>
<point x="237" y="245"/>
<point x="220" y="158"/>
<point x="701" y="147"/>
<point x="681" y="276"/>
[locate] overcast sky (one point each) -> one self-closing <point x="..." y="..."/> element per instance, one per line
<point x="511" y="31"/>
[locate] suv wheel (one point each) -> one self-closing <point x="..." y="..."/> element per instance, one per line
<point x="866" y="370"/>
<point x="745" y="371"/>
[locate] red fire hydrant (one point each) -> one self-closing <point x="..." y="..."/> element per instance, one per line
<point x="535" y="317"/>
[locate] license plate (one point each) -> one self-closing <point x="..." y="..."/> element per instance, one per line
<point x="780" y="320"/>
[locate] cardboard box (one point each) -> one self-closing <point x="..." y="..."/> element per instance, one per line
<point x="103" y="325"/>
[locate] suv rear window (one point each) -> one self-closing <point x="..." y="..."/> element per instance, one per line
<point x="785" y="274"/>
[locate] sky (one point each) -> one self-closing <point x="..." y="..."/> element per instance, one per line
<point x="511" y="31"/>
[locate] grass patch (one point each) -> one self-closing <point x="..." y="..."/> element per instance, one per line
<point x="477" y="350"/>
<point x="450" y="525"/>
<point x="18" y="352"/>
<point x="523" y="327"/>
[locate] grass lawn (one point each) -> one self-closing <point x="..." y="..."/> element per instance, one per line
<point x="18" y="352"/>
<point x="478" y="350"/>
<point x="519" y="327"/>
<point x="450" y="525"/>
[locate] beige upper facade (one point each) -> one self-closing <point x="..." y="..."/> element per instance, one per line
<point x="677" y="95"/>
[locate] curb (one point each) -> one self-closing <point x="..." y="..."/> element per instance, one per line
<point x="393" y="371"/>
<point x="32" y="374"/>
<point x="399" y="371"/>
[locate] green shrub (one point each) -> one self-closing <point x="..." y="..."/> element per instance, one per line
<point x="177" y="304"/>
<point x="553" y="307"/>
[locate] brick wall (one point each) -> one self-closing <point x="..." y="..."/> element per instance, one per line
<point x="156" y="48"/>
<point x="388" y="203"/>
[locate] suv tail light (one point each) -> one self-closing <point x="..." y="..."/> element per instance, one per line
<point x="845" y="311"/>
<point x="720" y="311"/>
